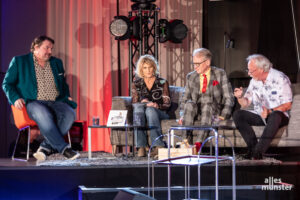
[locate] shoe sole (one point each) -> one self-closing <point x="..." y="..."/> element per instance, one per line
<point x="39" y="156"/>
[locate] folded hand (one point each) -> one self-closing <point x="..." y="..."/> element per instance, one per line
<point x="19" y="103"/>
<point x="151" y="104"/>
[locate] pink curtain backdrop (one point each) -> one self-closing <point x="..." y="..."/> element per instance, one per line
<point x="80" y="29"/>
<point x="83" y="41"/>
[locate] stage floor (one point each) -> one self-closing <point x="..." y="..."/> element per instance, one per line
<point x="274" y="156"/>
<point x="60" y="179"/>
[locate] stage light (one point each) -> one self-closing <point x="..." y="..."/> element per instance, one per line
<point x="174" y="31"/>
<point x="143" y="4"/>
<point x="119" y="27"/>
<point x="124" y="28"/>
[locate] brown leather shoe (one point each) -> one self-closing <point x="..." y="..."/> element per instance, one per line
<point x="141" y="152"/>
<point x="154" y="152"/>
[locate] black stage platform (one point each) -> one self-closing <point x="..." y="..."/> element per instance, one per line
<point x="31" y="180"/>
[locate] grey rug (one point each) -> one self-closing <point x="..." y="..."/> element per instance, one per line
<point x="98" y="159"/>
<point x="107" y="159"/>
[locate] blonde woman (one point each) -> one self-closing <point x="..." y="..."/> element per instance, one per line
<point x="151" y="100"/>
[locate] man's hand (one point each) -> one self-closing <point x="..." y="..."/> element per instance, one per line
<point x="215" y="119"/>
<point x="284" y="107"/>
<point x="19" y="103"/>
<point x="221" y="118"/>
<point x="264" y="113"/>
<point x="238" y="92"/>
<point x="180" y="121"/>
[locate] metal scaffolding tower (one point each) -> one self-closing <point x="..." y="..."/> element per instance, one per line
<point x="147" y="43"/>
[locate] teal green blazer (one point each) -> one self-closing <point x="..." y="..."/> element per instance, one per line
<point x="20" y="80"/>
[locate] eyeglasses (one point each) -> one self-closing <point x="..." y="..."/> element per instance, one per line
<point x="198" y="64"/>
<point x="250" y="72"/>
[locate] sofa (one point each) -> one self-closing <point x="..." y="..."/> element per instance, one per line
<point x="287" y="136"/>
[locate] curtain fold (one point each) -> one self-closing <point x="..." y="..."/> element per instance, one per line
<point x="80" y="29"/>
<point x="82" y="41"/>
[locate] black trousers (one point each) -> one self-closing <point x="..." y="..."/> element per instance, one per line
<point x="244" y="120"/>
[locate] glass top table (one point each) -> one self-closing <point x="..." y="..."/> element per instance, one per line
<point x="190" y="160"/>
<point x="200" y="159"/>
<point x="126" y="127"/>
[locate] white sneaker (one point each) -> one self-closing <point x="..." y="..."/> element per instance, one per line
<point x="41" y="154"/>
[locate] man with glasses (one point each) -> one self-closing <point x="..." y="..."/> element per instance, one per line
<point x="271" y="95"/>
<point x="208" y="95"/>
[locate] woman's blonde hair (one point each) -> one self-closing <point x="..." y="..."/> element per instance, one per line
<point x="148" y="59"/>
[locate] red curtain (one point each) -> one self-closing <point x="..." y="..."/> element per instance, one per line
<point x="83" y="41"/>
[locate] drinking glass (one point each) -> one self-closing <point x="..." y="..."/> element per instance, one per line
<point x="96" y="120"/>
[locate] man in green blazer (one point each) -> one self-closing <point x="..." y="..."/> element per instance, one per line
<point x="208" y="95"/>
<point x="37" y="81"/>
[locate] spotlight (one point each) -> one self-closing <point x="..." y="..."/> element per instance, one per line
<point x="119" y="27"/>
<point x="124" y="28"/>
<point x="174" y="31"/>
<point x="143" y="4"/>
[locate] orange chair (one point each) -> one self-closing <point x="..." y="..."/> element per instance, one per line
<point x="22" y="122"/>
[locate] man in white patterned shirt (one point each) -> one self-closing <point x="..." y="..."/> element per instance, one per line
<point x="271" y="95"/>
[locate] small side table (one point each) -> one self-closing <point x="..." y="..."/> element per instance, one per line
<point x="126" y="127"/>
<point x="198" y="160"/>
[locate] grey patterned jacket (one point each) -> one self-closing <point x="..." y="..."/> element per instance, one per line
<point x="218" y="99"/>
